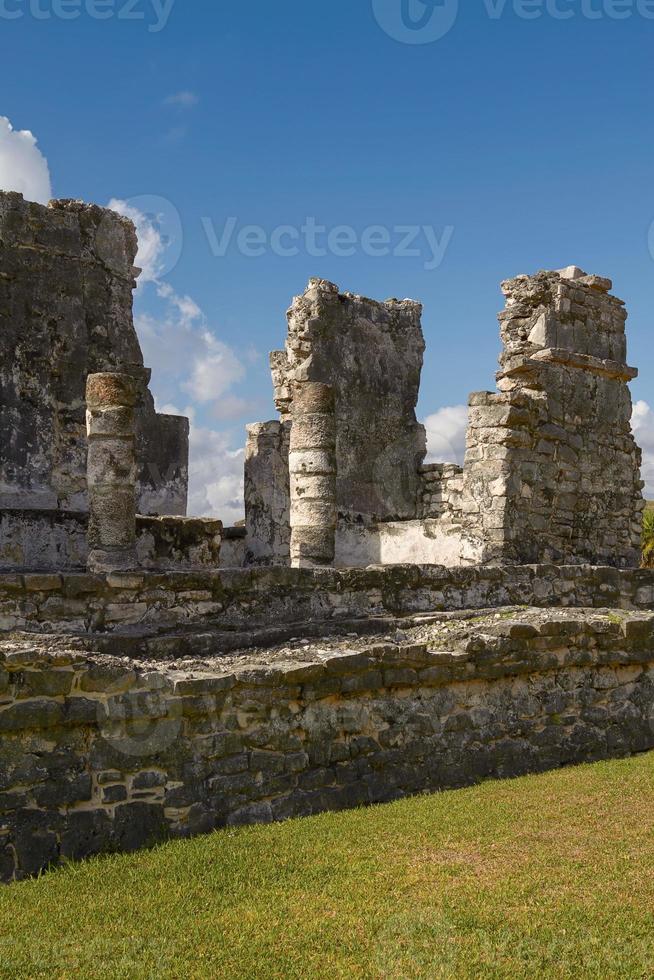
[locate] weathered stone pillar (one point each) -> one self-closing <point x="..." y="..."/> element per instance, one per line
<point x="111" y="471"/>
<point x="267" y="493"/>
<point x="552" y="470"/>
<point x="312" y="468"/>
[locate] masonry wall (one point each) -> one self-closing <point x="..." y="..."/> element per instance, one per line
<point x="66" y="282"/>
<point x="132" y="613"/>
<point x="267" y="493"/>
<point x="552" y="471"/>
<point x="371" y="353"/>
<point x="98" y="756"/>
<point x="56" y="541"/>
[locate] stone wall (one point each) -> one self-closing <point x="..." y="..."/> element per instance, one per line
<point x="231" y="604"/>
<point x="56" y="541"/>
<point x="66" y="282"/>
<point x="233" y="548"/>
<point x="427" y="541"/>
<point x="371" y="353"/>
<point x="42" y="540"/>
<point x="552" y="471"/>
<point x="267" y="492"/>
<point x="101" y="755"/>
<point x="442" y="484"/>
<point x="552" y="468"/>
<point x="178" y="542"/>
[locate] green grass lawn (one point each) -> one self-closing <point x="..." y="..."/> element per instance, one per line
<point x="549" y="875"/>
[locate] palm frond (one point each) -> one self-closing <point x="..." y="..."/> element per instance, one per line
<point x="648" y="538"/>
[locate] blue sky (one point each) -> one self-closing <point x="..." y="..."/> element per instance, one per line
<point x="521" y="139"/>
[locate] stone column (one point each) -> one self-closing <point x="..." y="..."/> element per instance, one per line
<point x="267" y="493"/>
<point x="111" y="471"/>
<point x="312" y="468"/>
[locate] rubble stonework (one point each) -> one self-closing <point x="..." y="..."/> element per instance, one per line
<point x="267" y="493"/>
<point x="552" y="471"/>
<point x="371" y="353"/>
<point x="146" y="612"/>
<point x="66" y="281"/>
<point x="377" y="627"/>
<point x="101" y="754"/>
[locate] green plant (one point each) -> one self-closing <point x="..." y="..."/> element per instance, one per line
<point x="549" y="875"/>
<point x="648" y="538"/>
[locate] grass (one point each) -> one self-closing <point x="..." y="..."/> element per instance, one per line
<point x="550" y="875"/>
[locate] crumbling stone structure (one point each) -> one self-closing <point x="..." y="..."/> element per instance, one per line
<point x="267" y="494"/>
<point x="371" y="354"/>
<point x="66" y="280"/>
<point x="105" y="746"/>
<point x="552" y="471"/>
<point x="395" y="629"/>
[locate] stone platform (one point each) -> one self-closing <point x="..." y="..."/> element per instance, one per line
<point x="121" y="736"/>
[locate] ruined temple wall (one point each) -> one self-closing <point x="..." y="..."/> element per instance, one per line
<point x="238" y="601"/>
<point x="267" y="494"/>
<point x="441" y="488"/>
<point x="371" y="353"/>
<point x="162" y="452"/>
<point x="552" y="468"/>
<point x="66" y="283"/>
<point x="57" y="541"/>
<point x="98" y="755"/>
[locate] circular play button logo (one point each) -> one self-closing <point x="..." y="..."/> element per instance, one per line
<point x="416" y="21"/>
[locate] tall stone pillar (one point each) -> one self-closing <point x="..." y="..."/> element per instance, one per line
<point x="312" y="468"/>
<point x="111" y="471"/>
<point x="552" y="470"/>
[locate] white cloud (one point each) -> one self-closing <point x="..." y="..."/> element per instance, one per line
<point x="215" y="476"/>
<point x="186" y="357"/>
<point x="151" y="244"/>
<point x="189" y="361"/>
<point x="187" y="307"/>
<point x="643" y="426"/>
<point x="214" y="372"/>
<point x="183" y="100"/>
<point x="23" y="167"/>
<point x="446" y="435"/>
<point x="233" y="407"/>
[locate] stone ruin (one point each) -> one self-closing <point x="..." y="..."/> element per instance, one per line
<point x="551" y="472"/>
<point x="377" y="627"/>
<point x="66" y="280"/>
